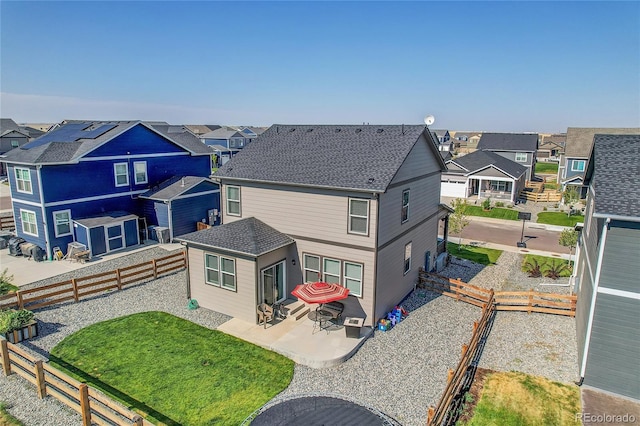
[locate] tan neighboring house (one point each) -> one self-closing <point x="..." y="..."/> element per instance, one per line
<point x="465" y="142"/>
<point x="357" y="205"/>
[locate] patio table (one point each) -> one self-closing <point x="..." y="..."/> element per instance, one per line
<point x="320" y="318"/>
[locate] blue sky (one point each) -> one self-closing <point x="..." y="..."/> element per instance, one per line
<point x="492" y="66"/>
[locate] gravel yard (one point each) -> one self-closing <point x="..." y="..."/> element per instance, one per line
<point x="400" y="372"/>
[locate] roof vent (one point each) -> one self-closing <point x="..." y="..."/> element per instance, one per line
<point x="309" y="130"/>
<point x="370" y="180"/>
<point x="292" y="130"/>
<point x="379" y="130"/>
<point x="358" y="130"/>
<point x="338" y="130"/>
<point x="182" y="182"/>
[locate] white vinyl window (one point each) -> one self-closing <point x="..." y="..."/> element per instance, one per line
<point x="331" y="271"/>
<point x="220" y="271"/>
<point x="29" y="225"/>
<point x="578" y="165"/>
<point x="121" y="173"/>
<point x="140" y="172"/>
<point x="405" y="205"/>
<point x="233" y="201"/>
<point x="311" y="268"/>
<point x="212" y="269"/>
<point x="62" y="223"/>
<point x="23" y="180"/>
<point x="407" y="258"/>
<point x="521" y="157"/>
<point x="358" y="216"/>
<point x="14" y="143"/>
<point x="353" y="278"/>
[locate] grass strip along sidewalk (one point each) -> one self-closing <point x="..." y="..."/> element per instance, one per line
<point x="173" y="371"/>
<point x="559" y="218"/>
<point x="482" y="255"/>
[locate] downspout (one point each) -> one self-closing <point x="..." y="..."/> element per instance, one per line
<point x="44" y="214"/>
<point x="169" y="214"/>
<point x="186" y="261"/>
<point x="587" y="342"/>
<point x="375" y="261"/>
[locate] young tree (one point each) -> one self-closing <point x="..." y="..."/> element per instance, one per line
<point x="570" y="197"/>
<point x="569" y="238"/>
<point x="458" y="220"/>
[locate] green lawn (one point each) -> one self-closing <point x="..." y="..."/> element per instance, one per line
<point x="496" y="213"/>
<point x="7" y="419"/>
<point x="559" y="218"/>
<point x="173" y="371"/>
<point x="545" y="263"/>
<point x="518" y="399"/>
<point x="484" y="256"/>
<point x="547" y="168"/>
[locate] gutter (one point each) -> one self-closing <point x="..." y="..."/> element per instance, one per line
<point x="297" y="185"/>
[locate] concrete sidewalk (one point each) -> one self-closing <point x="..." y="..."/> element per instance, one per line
<point x="529" y="224"/>
<point x="513" y="248"/>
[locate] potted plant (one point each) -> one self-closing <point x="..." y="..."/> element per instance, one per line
<point x="18" y="325"/>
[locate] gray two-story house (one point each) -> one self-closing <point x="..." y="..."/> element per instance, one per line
<point x="356" y="205"/>
<point x="608" y="267"/>
<point x="578" y="145"/>
<point x="518" y="147"/>
<point x="11" y="136"/>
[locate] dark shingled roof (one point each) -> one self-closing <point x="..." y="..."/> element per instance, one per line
<point x="248" y="236"/>
<point x="616" y="168"/>
<point x="478" y="160"/>
<point x="62" y="146"/>
<point x="171" y="188"/>
<point x="358" y="157"/>
<point x="105" y="218"/>
<point x="509" y="141"/>
<point x="580" y="139"/>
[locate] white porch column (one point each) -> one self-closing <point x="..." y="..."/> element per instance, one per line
<point x="479" y="187"/>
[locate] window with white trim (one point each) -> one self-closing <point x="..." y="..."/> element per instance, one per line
<point x="521" y="157"/>
<point x="62" y="223"/>
<point x="331" y="271"/>
<point x="311" y="268"/>
<point x="121" y="173"/>
<point x="358" y="216"/>
<point x="407" y="258"/>
<point x="220" y="271"/>
<point x="23" y="180"/>
<point x="211" y="269"/>
<point x="500" y="185"/>
<point x="233" y="200"/>
<point x="140" y="172"/>
<point x="578" y="165"/>
<point x="14" y="143"/>
<point x="405" y="205"/>
<point x="353" y="278"/>
<point x="29" y="224"/>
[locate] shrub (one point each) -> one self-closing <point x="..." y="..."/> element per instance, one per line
<point x="486" y="204"/>
<point x="499" y="204"/>
<point x="544" y="209"/>
<point x="533" y="268"/>
<point x="12" y="319"/>
<point x="555" y="269"/>
<point x="6" y="285"/>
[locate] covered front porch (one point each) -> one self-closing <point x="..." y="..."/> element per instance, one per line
<point x="495" y="188"/>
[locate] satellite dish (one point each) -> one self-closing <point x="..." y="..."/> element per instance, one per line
<point x="429" y="120"/>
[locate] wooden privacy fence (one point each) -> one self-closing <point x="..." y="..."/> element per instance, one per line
<point x="551" y="196"/>
<point x="77" y="288"/>
<point x="460" y="379"/>
<point x="523" y="301"/>
<point x="8" y="223"/>
<point x="93" y="406"/>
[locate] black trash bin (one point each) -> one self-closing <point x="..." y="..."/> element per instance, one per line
<point x="352" y="327"/>
<point x="14" y="246"/>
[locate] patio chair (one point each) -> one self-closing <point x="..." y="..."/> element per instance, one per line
<point x="265" y="314"/>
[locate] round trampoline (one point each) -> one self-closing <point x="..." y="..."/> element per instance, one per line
<point x="317" y="411"/>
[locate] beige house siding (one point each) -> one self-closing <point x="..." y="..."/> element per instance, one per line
<point x="240" y="303"/>
<point x="363" y="304"/>
<point x="392" y="285"/>
<point x="266" y="260"/>
<point x="317" y="214"/>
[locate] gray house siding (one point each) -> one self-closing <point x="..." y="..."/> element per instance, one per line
<point x="511" y="155"/>
<point x="614" y="352"/>
<point x="620" y="268"/>
<point x="570" y="164"/>
<point x="491" y="172"/>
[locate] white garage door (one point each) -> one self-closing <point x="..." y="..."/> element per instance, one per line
<point x="453" y="189"/>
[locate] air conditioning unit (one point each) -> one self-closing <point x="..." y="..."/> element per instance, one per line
<point x="441" y="261"/>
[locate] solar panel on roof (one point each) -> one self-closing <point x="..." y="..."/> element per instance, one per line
<point x="70" y="133"/>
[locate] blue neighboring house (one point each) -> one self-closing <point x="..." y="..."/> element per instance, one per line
<point x="83" y="182"/>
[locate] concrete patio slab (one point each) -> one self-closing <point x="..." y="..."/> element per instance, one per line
<point x="300" y="341"/>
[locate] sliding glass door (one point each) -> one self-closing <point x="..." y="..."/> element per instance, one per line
<point x="273" y="284"/>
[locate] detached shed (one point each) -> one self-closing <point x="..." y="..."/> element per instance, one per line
<point x="108" y="232"/>
<point x="180" y="203"/>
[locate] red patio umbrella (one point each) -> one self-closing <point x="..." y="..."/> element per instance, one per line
<point x="320" y="292"/>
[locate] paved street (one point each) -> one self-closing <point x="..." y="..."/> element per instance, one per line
<point x="507" y="232"/>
